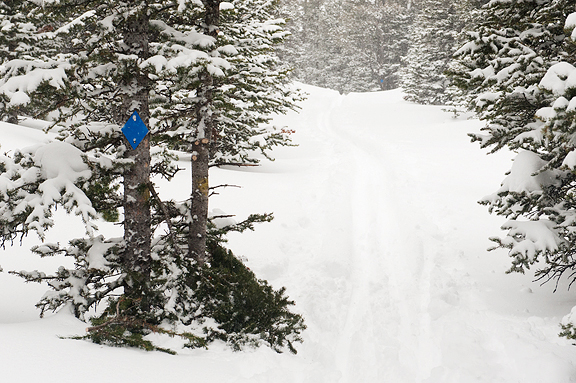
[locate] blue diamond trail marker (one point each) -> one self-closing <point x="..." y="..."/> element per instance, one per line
<point x="135" y="130"/>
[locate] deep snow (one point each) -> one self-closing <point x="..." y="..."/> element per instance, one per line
<point x="379" y="240"/>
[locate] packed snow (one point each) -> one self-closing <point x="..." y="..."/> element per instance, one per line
<point x="378" y="239"/>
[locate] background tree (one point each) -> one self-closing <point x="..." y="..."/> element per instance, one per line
<point x="395" y="24"/>
<point x="347" y="45"/>
<point x="432" y="44"/>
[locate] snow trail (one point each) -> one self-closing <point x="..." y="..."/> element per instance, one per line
<point x="399" y="199"/>
<point x="390" y="266"/>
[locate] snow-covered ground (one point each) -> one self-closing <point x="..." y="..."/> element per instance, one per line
<point x="379" y="240"/>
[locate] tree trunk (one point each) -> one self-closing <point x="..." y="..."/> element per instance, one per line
<point x="201" y="154"/>
<point x="137" y="221"/>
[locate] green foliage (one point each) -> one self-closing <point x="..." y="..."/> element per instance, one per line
<point x="228" y="303"/>
<point x="248" y="310"/>
<point x="568" y="331"/>
<point x="114" y="328"/>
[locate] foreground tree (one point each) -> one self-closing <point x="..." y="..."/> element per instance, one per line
<point x="194" y="73"/>
<point x="518" y="73"/>
<point x="502" y="68"/>
<point x="518" y="70"/>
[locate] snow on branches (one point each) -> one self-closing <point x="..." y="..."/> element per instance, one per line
<point x="38" y="179"/>
<point x="517" y="73"/>
<point x="200" y="73"/>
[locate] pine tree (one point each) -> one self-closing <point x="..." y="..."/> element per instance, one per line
<point x="538" y="193"/>
<point x="374" y="40"/>
<point x="395" y="24"/>
<point x="347" y="45"/>
<point x="515" y="70"/>
<point x="433" y="41"/>
<point x="203" y="79"/>
<point x="305" y="47"/>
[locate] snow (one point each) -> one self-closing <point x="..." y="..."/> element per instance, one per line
<point x="571" y="24"/>
<point x="159" y="62"/>
<point x="96" y="254"/>
<point x="61" y="160"/>
<point x="534" y="236"/>
<point x="377" y="237"/>
<point x="559" y="78"/>
<point x="19" y="98"/>
<point x="36" y="73"/>
<point x="570" y="160"/>
<point x="225" y="6"/>
<point x="61" y="165"/>
<point x="525" y="176"/>
<point x="74" y="23"/>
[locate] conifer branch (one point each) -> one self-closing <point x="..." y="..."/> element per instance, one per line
<point x="165" y="212"/>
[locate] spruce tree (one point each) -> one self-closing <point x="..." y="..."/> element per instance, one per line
<point x="194" y="73"/>
<point x="514" y="72"/>
<point x="538" y="193"/>
<point x="395" y="24"/>
<point x="347" y="45"/>
<point x="432" y="43"/>
<point x="374" y="38"/>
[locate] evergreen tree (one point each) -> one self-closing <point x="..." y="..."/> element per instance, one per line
<point x="305" y="48"/>
<point x="515" y="71"/>
<point x="395" y="24"/>
<point x="347" y="45"/>
<point x="432" y="43"/>
<point x="375" y="37"/>
<point x="203" y="78"/>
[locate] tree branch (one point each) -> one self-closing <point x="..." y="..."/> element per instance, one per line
<point x="165" y="212"/>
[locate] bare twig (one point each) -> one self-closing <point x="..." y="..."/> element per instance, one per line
<point x="225" y="186"/>
<point x="222" y="216"/>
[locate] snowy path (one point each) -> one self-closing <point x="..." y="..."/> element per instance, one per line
<point x="388" y="253"/>
<point x="389" y="266"/>
<point x="380" y="243"/>
<point x="395" y="246"/>
<point x="415" y="313"/>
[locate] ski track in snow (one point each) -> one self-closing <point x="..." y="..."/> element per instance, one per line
<point x="379" y="241"/>
<point x="409" y="307"/>
<point x="387" y="328"/>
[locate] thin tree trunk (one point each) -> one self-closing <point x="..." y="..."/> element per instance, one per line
<point x="201" y="151"/>
<point x="137" y="221"/>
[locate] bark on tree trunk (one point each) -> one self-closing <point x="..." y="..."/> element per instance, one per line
<point x="201" y="154"/>
<point x="137" y="221"/>
<point x="199" y="206"/>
